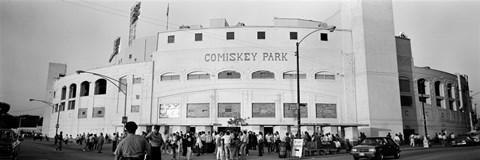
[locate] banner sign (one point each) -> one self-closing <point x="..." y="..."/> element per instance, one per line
<point x="236" y="57"/>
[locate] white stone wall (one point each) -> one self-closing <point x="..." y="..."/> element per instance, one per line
<point x="113" y="100"/>
<point x="186" y="56"/>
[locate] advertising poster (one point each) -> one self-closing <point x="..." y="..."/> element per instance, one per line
<point x="297" y="149"/>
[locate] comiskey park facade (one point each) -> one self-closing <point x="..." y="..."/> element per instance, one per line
<point x="358" y="78"/>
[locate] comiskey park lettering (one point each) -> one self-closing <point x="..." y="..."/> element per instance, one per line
<point x="235" y="57"/>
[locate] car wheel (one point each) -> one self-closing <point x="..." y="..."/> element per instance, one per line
<point x="380" y="156"/>
<point x="397" y="155"/>
<point x="356" y="158"/>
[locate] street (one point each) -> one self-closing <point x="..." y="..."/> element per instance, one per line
<point x="42" y="150"/>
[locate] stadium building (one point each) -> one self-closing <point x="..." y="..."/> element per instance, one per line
<point x="358" y="78"/>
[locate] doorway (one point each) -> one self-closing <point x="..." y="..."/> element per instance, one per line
<point x="231" y="129"/>
<point x="267" y="130"/>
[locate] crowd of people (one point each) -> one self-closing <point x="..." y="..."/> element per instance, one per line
<point x="226" y="145"/>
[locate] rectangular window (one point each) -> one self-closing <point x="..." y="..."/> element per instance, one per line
<point x="171" y="110"/>
<point x="293" y="35"/>
<point x="54" y="92"/>
<point x="198" y="110"/>
<point x="290" y="110"/>
<point x="130" y="56"/>
<point x="230" y="35"/>
<point x="137" y="80"/>
<point x="198" y="37"/>
<point x="137" y="96"/>
<point x="135" y="109"/>
<point x="82" y="112"/>
<point x="404" y="85"/>
<point x="62" y="106"/>
<point x="263" y="110"/>
<point x="323" y="36"/>
<point x="451" y="105"/>
<point x="98" y="112"/>
<point x="71" y="105"/>
<point x="56" y="108"/>
<point x="228" y="110"/>
<point x="406" y="100"/>
<point x="325" y="110"/>
<point x="171" y="39"/>
<point x="440" y="103"/>
<point x="261" y="35"/>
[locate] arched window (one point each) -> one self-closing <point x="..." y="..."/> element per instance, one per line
<point x="450" y="92"/>
<point x="84" y="88"/>
<point x="424" y="91"/>
<point x="325" y="75"/>
<point x="262" y="74"/>
<point x="404" y="83"/>
<point x="64" y="92"/>
<point x="198" y="75"/>
<point x="100" y="86"/>
<point x="169" y="77"/>
<point x="293" y="75"/>
<point x="438" y="88"/>
<point x="423" y="86"/>
<point x="229" y="75"/>
<point x="72" y="91"/>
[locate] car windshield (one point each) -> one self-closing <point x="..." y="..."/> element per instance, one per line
<point x="372" y="142"/>
<point x="6" y="135"/>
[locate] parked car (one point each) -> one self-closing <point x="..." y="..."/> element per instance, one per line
<point x="475" y="136"/>
<point x="376" y="147"/>
<point x="463" y="140"/>
<point x="38" y="136"/>
<point x="9" y="144"/>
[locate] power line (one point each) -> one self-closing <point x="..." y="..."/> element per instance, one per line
<point x="213" y="35"/>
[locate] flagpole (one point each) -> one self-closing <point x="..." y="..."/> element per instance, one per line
<point x="168" y="8"/>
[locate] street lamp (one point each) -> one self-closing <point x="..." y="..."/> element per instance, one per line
<point x="53" y="107"/>
<point x="423" y="99"/>
<point x="20" y="121"/>
<point x="322" y="26"/>
<point x="112" y="80"/>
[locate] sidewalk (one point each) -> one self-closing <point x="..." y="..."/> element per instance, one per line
<point x="107" y="150"/>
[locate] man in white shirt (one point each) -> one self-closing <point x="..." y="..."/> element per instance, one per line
<point x="227" y="139"/>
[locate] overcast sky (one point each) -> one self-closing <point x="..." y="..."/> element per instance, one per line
<point x="445" y="35"/>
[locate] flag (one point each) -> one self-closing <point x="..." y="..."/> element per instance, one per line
<point x="168" y="8"/>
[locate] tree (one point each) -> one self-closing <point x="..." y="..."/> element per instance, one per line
<point x="7" y="120"/>
<point x="235" y="122"/>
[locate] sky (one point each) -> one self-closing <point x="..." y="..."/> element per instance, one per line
<point x="445" y="35"/>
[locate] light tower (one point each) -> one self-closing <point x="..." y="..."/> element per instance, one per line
<point x="133" y="22"/>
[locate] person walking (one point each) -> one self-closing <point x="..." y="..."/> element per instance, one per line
<point x="260" y="143"/>
<point x="243" y="147"/>
<point x="412" y="140"/>
<point x="101" y="140"/>
<point x="219" y="144"/>
<point x="187" y="146"/>
<point x="132" y="147"/>
<point x="156" y="141"/>
<point x="199" y="144"/>
<point x="209" y="143"/>
<point x="59" y="140"/>
<point x="227" y="139"/>
<point x="114" y="141"/>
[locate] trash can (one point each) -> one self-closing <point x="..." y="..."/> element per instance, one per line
<point x="282" y="150"/>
